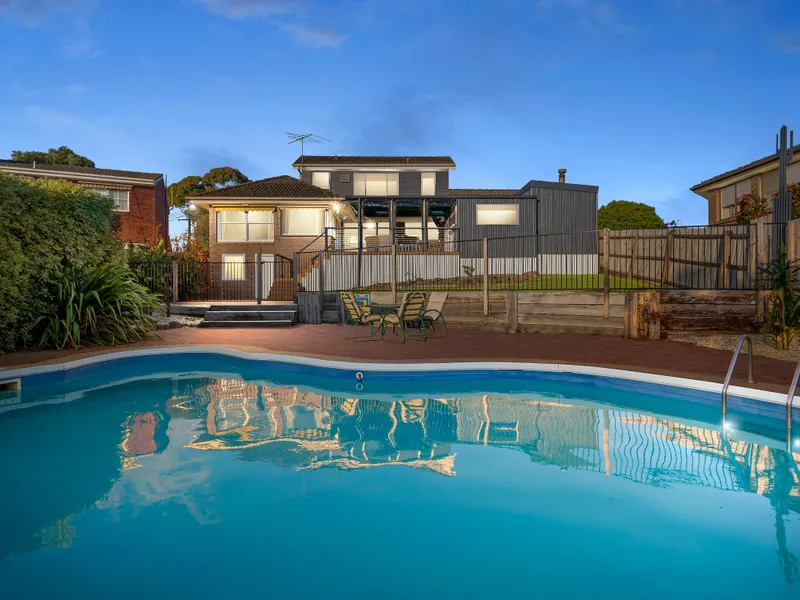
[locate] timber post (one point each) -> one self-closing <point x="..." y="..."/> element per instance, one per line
<point x="175" y="281"/>
<point x="485" y="277"/>
<point x="295" y="269"/>
<point x="667" y="258"/>
<point x="606" y="273"/>
<point x="634" y="252"/>
<point x="394" y="273"/>
<point x="724" y="262"/>
<point x="259" y="277"/>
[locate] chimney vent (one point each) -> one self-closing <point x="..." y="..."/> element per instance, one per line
<point x="34" y="164"/>
<point x="562" y="175"/>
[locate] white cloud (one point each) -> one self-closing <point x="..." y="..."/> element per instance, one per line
<point x="43" y="115"/>
<point x="241" y="9"/>
<point x="598" y="15"/>
<point x="314" y="38"/>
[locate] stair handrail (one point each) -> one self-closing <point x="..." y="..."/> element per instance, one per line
<point x="730" y="372"/>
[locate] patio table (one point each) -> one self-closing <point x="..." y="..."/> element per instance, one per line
<point x="384" y="309"/>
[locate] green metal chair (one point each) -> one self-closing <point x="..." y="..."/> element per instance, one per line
<point x="434" y="311"/>
<point x="409" y="313"/>
<point x="355" y="316"/>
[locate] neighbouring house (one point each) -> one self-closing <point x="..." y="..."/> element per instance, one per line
<point x="354" y="206"/>
<point x="139" y="198"/>
<point x="758" y="178"/>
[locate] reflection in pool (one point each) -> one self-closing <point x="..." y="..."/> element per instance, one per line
<point x="219" y="487"/>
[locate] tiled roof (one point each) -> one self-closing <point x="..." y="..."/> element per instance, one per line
<point x="482" y="192"/>
<point x="743" y="169"/>
<point x="393" y="161"/>
<point x="283" y="186"/>
<point x="15" y="164"/>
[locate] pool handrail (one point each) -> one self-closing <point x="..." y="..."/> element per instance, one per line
<point x="728" y="377"/>
<point x="789" y="402"/>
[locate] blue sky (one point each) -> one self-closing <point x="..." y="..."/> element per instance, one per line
<point x="641" y="97"/>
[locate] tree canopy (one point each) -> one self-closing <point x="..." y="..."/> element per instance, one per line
<point x="220" y="177"/>
<point x="54" y="156"/>
<point x="624" y="214"/>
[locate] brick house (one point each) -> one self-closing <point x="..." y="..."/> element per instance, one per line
<point x="140" y="198"/>
<point x="759" y="178"/>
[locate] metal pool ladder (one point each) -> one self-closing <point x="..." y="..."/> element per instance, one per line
<point x="789" y="402"/>
<point x="749" y="373"/>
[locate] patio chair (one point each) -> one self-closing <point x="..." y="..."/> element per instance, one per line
<point x="355" y="316"/>
<point x="434" y="311"/>
<point x="409" y="313"/>
<point x="381" y="297"/>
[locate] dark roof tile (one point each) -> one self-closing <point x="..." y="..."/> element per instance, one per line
<point x="283" y="186"/>
<point x="482" y="192"/>
<point x="393" y="161"/>
<point x="743" y="169"/>
<point x="79" y="170"/>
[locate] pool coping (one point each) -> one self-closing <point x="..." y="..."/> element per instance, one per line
<point x="356" y="365"/>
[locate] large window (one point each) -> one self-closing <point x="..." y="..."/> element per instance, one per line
<point x="428" y="184"/>
<point x="376" y="184"/>
<point x="245" y="226"/>
<point x="321" y="179"/>
<point x="497" y="214"/>
<point x="233" y="267"/>
<point x="121" y="198"/>
<point x="302" y="221"/>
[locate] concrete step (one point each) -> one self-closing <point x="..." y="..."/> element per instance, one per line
<point x="251" y="315"/>
<point x="246" y="324"/>
<point x="288" y="306"/>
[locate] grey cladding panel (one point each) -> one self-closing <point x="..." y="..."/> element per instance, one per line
<point x="442" y="183"/>
<point x="410" y="183"/>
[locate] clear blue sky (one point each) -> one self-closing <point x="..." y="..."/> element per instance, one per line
<point x="641" y="97"/>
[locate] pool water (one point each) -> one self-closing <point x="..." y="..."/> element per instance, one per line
<point x="146" y="479"/>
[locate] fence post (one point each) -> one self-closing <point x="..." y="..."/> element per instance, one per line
<point x="485" y="277"/>
<point x="295" y="268"/>
<point x="667" y="258"/>
<point x="724" y="262"/>
<point x="175" y="295"/>
<point x="634" y="252"/>
<point x="320" y="260"/>
<point x="259" y="277"/>
<point x="512" y="314"/>
<point x="752" y="256"/>
<point x="606" y="273"/>
<point x="394" y="272"/>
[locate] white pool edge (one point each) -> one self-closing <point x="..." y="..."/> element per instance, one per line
<point x="667" y="380"/>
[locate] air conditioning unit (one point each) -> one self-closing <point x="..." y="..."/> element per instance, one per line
<point x="344" y="178"/>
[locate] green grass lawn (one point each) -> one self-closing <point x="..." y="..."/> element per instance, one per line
<point x="568" y="283"/>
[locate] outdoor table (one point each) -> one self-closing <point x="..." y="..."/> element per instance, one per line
<point x="383" y="309"/>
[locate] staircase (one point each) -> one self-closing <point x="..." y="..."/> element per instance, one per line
<point x="250" y="315"/>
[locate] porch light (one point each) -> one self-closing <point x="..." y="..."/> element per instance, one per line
<point x="192" y="206"/>
<point x="337" y="207"/>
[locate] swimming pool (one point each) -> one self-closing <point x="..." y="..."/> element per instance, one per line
<point x="208" y="475"/>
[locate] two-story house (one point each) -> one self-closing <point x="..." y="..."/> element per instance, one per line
<point x="759" y="178"/>
<point x="368" y="203"/>
<point x="139" y="198"/>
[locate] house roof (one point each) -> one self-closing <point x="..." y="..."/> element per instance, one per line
<point x="743" y="169"/>
<point x="371" y="161"/>
<point x="482" y="192"/>
<point x="76" y="170"/>
<point x="283" y="186"/>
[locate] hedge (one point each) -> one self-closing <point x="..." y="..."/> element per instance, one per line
<point x="45" y="224"/>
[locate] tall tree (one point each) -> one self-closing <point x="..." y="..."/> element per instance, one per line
<point x="624" y="214"/>
<point x="180" y="192"/>
<point x="54" y="156"/>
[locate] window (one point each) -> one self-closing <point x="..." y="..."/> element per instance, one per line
<point x="245" y="226"/>
<point x="302" y="221"/>
<point x="376" y="184"/>
<point x="232" y="267"/>
<point x="793" y="173"/>
<point x="121" y="198"/>
<point x="742" y="188"/>
<point x="321" y="179"/>
<point x="497" y="214"/>
<point x="728" y="212"/>
<point x="428" y="184"/>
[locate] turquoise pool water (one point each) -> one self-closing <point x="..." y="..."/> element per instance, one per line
<point x="211" y="477"/>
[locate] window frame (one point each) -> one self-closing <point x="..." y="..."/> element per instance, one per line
<point x="309" y="235"/>
<point x="247" y="239"/>
<point x="106" y="193"/>
<point x="243" y="263"/>
<point x="328" y="177"/>
<point x="364" y="175"/>
<point x="497" y="207"/>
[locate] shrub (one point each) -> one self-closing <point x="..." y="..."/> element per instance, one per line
<point x="104" y="305"/>
<point x="624" y="214"/>
<point x="780" y="274"/>
<point x="45" y="224"/>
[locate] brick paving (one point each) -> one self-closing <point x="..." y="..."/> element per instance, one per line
<point x="325" y="341"/>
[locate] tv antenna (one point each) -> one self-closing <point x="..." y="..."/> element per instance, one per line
<point x="303" y="138"/>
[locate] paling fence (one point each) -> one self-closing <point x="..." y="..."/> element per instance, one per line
<point x="722" y="257"/>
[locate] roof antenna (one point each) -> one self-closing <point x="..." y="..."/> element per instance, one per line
<point x="303" y="138"/>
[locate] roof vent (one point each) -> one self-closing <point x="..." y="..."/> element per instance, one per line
<point x="562" y="175"/>
<point x="34" y="164"/>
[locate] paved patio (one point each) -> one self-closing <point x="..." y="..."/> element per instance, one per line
<point x="325" y="341"/>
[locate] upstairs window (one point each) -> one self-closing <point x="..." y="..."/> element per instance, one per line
<point x="428" y="184"/>
<point x="245" y="226"/>
<point x="321" y="179"/>
<point x="376" y="184"/>
<point x="497" y="214"/>
<point x="121" y="198"/>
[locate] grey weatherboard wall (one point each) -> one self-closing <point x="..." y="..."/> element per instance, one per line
<point x="410" y="182"/>
<point x="563" y="208"/>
